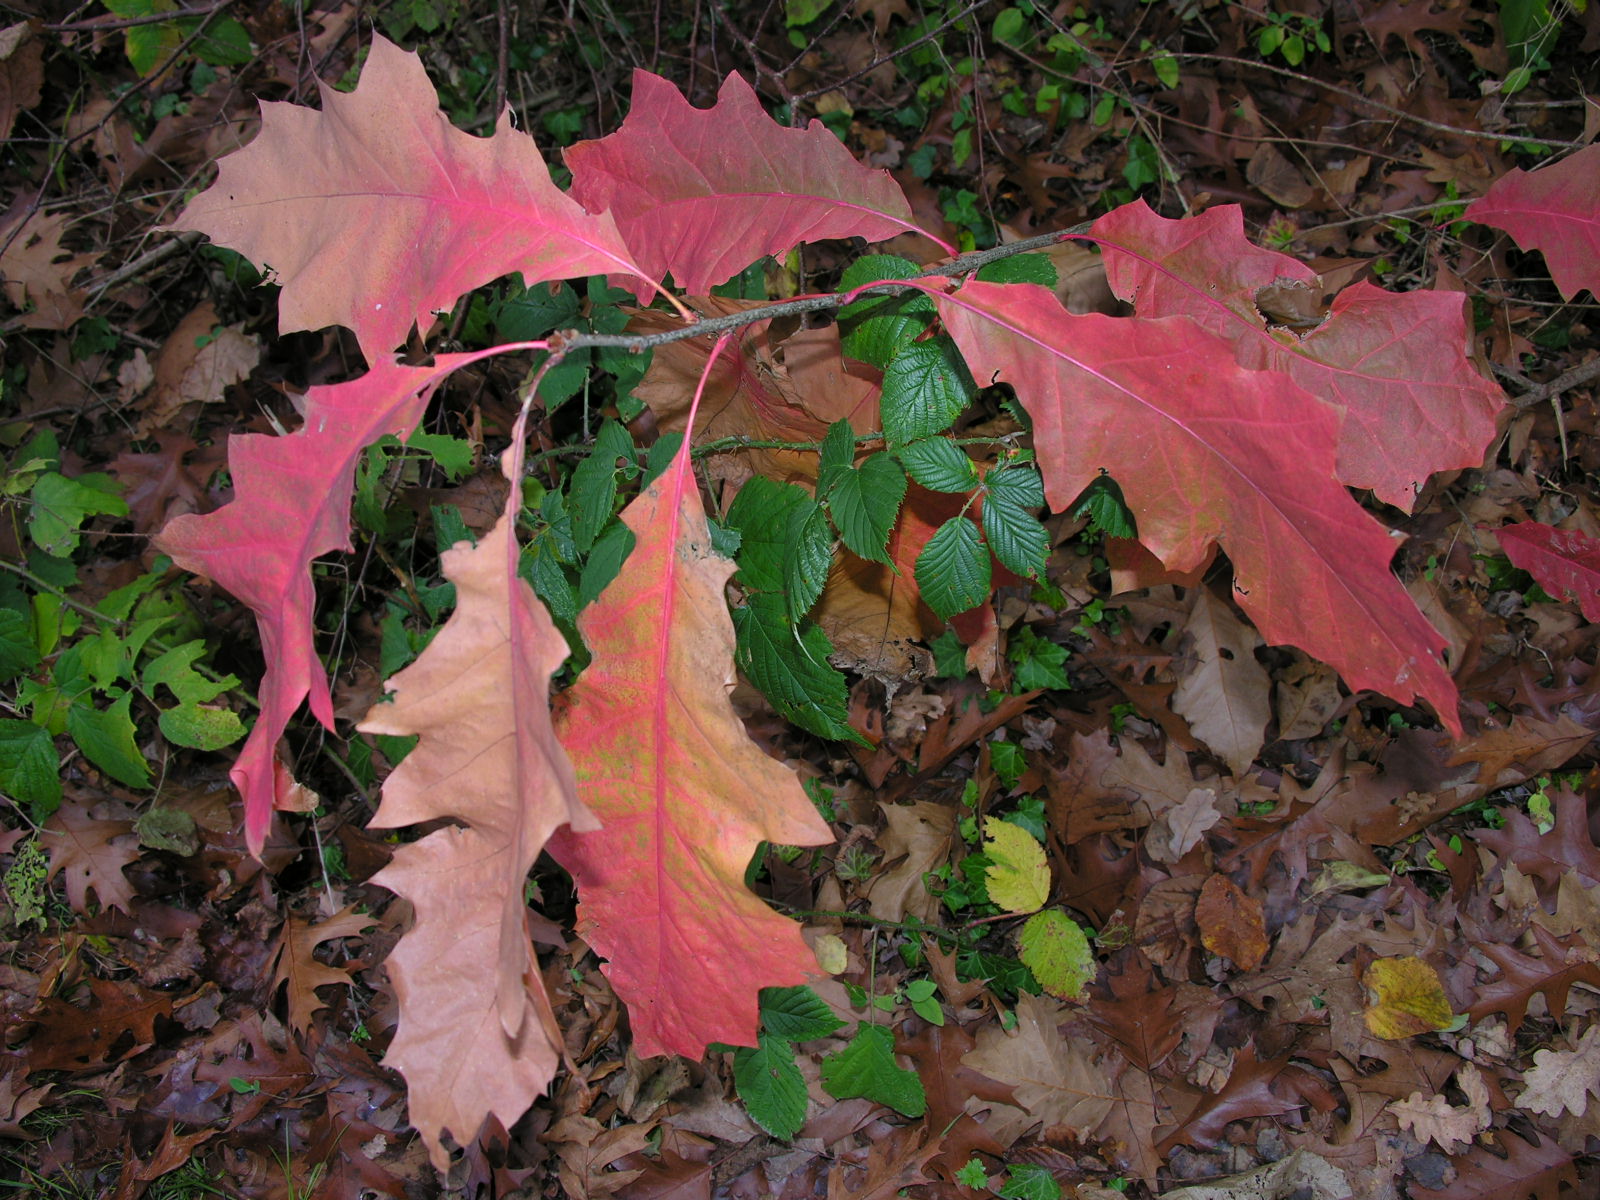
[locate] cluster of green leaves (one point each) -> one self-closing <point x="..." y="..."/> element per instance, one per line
<point x="768" y="1077"/>
<point x="788" y="536"/>
<point x="75" y="669"/>
<point x="221" y="40"/>
<point x="1025" y="1181"/>
<point x="1292" y="35"/>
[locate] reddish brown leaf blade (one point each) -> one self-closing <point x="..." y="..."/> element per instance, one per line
<point x="297" y="964"/>
<point x="1564" y="562"/>
<point x="291" y="503"/>
<point x="1206" y="450"/>
<point x="1555" y="210"/>
<point x="476" y="1031"/>
<point x="703" y="193"/>
<point x="376" y="211"/>
<point x="1395" y="363"/>
<point x="683" y="794"/>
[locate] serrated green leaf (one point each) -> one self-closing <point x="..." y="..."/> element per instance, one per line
<point x="30" y="770"/>
<point x="1020" y="268"/>
<point x="611" y="550"/>
<point x="106" y="658"/>
<point x="808" y="554"/>
<point x="939" y="465"/>
<point x="1030" y="1182"/>
<point x="454" y="455"/>
<point x="1053" y="946"/>
<point x="1018" y="877"/>
<point x="200" y="727"/>
<point x="866" y="1068"/>
<point x="876" y="328"/>
<point x="837" y="453"/>
<point x="771" y="1086"/>
<point x="790" y="667"/>
<point x="526" y="315"/>
<point x="594" y="484"/>
<point x="797" y="1013"/>
<point x="761" y="513"/>
<point x="1017" y="538"/>
<point x="371" y="496"/>
<point x="62" y="505"/>
<point x="661" y="455"/>
<point x="953" y="571"/>
<point x="864" y="502"/>
<point x="1108" y="513"/>
<point x="17" y="651"/>
<point x="1021" y="486"/>
<point x="925" y="388"/>
<point x="105" y="735"/>
<point x="175" y="669"/>
<point x="223" y="43"/>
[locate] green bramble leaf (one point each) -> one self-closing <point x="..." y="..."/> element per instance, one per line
<point x="939" y="465"/>
<point x="771" y="1086"/>
<point x="610" y="551"/>
<point x="527" y="314"/>
<point x="761" y="512"/>
<point x="864" y="502"/>
<point x="837" y="453"/>
<point x="953" y="570"/>
<point x="789" y="664"/>
<point x="797" y="1013"/>
<point x="1020" y="268"/>
<point x="1020" y="486"/>
<point x="1102" y="503"/>
<point x="105" y="735"/>
<point x="876" y="328"/>
<point x="17" y="651"/>
<point x="808" y="553"/>
<point x="1054" y="948"/>
<point x="866" y="1068"/>
<point x="30" y="770"/>
<point x="594" y="484"/>
<point x="925" y="388"/>
<point x="1017" y="538"/>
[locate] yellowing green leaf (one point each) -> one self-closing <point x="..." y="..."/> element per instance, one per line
<point x="1018" y="875"/>
<point x="1054" y="948"/>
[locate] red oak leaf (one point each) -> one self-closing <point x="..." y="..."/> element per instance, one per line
<point x="477" y="1035"/>
<point x="1395" y="363"/>
<point x="291" y="503"/>
<point x="683" y="794"/>
<point x="704" y="192"/>
<point x="1206" y="450"/>
<point x="376" y="212"/>
<point x="1564" y="562"/>
<point x="1555" y="210"/>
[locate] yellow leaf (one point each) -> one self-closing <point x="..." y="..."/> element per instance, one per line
<point x="1018" y="876"/>
<point x="1407" y="999"/>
